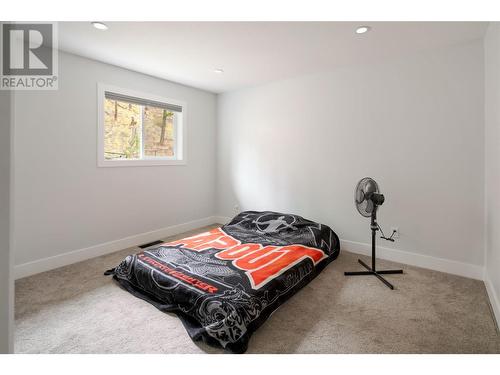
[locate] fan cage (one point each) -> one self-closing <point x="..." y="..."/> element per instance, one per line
<point x="364" y="206"/>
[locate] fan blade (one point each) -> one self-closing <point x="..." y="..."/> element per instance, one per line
<point x="369" y="207"/>
<point x="360" y="196"/>
<point x="362" y="206"/>
<point x="362" y="209"/>
<point x="370" y="187"/>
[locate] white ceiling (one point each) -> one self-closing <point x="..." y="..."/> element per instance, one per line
<point x="252" y="53"/>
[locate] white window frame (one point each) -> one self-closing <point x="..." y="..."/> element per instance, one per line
<point x="180" y="131"/>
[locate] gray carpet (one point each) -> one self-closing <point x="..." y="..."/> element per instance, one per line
<point x="75" y="309"/>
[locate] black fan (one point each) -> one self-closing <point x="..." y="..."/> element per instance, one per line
<point x="367" y="198"/>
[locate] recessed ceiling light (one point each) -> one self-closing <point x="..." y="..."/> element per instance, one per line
<point x="363" y="29"/>
<point x="100" y="25"/>
<point x="219" y="71"/>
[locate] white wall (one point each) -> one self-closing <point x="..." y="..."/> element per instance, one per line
<point x="64" y="202"/>
<point x="492" y="164"/>
<point x="6" y="284"/>
<point x="299" y="145"/>
<point x="415" y="125"/>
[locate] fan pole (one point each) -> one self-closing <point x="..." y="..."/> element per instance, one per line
<point x="373" y="270"/>
<point x="374" y="235"/>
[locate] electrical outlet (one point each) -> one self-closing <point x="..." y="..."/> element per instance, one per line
<point x="394" y="230"/>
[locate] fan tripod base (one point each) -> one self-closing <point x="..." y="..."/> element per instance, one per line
<point x="375" y="273"/>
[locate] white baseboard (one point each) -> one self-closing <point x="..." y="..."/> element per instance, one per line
<point x="222" y="219"/>
<point x="493" y="296"/>
<point x="424" y="261"/>
<point x="413" y="259"/>
<point x="46" y="264"/>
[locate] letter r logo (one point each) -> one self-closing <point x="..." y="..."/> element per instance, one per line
<point x="27" y="49"/>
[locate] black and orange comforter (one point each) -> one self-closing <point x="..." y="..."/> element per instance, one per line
<point x="223" y="284"/>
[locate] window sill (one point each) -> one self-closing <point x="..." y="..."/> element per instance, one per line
<point x="139" y="163"/>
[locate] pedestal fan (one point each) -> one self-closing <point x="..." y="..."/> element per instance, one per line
<point x="367" y="199"/>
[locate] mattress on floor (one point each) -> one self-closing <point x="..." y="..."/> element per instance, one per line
<point x="224" y="283"/>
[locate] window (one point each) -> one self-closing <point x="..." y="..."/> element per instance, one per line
<point x="139" y="129"/>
